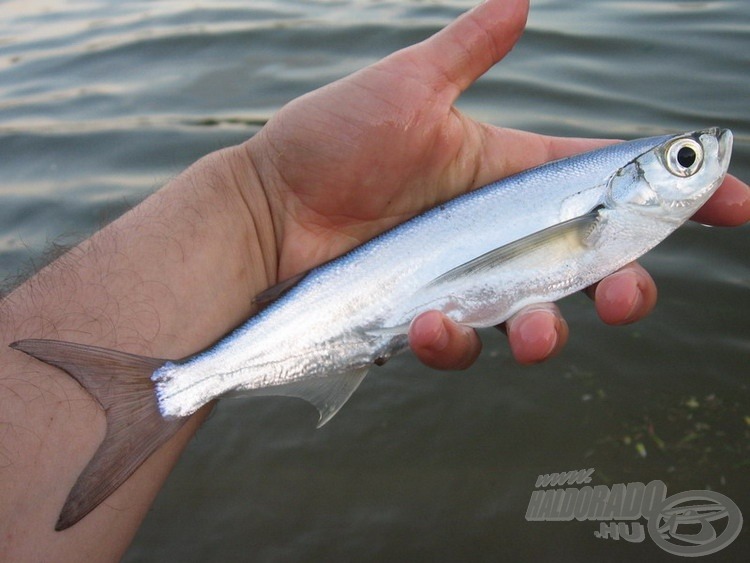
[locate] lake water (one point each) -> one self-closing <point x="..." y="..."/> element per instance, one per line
<point x="101" y="102"/>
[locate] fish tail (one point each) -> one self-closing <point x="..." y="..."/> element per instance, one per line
<point x="121" y="383"/>
<point x="181" y="396"/>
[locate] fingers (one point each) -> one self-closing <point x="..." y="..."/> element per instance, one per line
<point x="539" y="332"/>
<point x="465" y="49"/>
<point x="536" y="333"/>
<point x="442" y="344"/>
<point x="728" y="207"/>
<point x="520" y="150"/>
<point x="624" y="297"/>
<point x="508" y="151"/>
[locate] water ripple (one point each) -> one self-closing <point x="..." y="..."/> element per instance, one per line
<point x="102" y="101"/>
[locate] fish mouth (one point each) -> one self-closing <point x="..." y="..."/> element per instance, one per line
<point x="725" y="138"/>
<point x="717" y="143"/>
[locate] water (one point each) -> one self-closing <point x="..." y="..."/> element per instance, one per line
<point x="102" y="102"/>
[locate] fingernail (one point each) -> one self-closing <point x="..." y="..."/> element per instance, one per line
<point x="433" y="334"/>
<point x="534" y="337"/>
<point x="622" y="303"/>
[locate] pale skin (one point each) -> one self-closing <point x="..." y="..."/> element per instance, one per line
<point x="329" y="171"/>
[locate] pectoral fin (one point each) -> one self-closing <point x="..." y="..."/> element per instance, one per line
<point x="328" y="394"/>
<point x="572" y="232"/>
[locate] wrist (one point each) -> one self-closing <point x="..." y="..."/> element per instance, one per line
<point x="166" y="279"/>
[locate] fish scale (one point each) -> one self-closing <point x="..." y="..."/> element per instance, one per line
<point x="531" y="238"/>
<point x="368" y="297"/>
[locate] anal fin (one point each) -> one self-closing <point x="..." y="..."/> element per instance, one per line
<point x="328" y="394"/>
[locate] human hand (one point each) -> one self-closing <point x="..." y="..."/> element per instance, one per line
<point x="356" y="157"/>
<point x="173" y="275"/>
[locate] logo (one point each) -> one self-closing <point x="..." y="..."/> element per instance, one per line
<point x="690" y="524"/>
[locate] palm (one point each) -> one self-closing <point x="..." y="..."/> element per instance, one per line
<point x="362" y="155"/>
<point x="348" y="161"/>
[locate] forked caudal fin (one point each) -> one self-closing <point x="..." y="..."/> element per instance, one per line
<point x="121" y="384"/>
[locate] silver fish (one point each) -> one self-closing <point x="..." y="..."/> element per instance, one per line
<point x="531" y="238"/>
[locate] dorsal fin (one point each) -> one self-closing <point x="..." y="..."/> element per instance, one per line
<point x="275" y="291"/>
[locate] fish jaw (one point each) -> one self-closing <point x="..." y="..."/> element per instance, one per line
<point x="355" y="310"/>
<point x="657" y="185"/>
<point x="317" y="341"/>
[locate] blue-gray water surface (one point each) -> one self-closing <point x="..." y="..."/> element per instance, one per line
<point x="101" y="102"/>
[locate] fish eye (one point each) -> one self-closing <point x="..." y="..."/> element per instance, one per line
<point x="684" y="157"/>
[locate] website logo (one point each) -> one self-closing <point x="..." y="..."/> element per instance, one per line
<point x="690" y="524"/>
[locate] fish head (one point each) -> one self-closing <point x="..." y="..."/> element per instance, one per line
<point x="675" y="177"/>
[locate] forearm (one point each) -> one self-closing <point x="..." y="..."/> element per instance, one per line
<point x="166" y="279"/>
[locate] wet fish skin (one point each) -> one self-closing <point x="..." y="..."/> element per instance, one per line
<point x="355" y="311"/>
<point x="534" y="237"/>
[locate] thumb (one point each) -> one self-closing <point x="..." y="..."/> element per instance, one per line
<point x="465" y="49"/>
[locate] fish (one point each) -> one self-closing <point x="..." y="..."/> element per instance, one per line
<point x="533" y="237"/>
